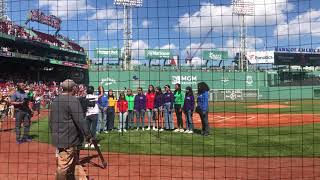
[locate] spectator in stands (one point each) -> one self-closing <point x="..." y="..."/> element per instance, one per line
<point x="37" y="102"/>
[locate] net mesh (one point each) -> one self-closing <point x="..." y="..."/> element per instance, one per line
<point x="252" y="67"/>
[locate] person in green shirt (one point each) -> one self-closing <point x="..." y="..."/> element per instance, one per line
<point x="178" y="103"/>
<point x="130" y="117"/>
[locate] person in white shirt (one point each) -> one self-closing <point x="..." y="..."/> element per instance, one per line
<point x="92" y="114"/>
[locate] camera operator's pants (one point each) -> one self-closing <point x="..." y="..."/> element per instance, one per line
<point x="22" y="117"/>
<point x="68" y="165"/>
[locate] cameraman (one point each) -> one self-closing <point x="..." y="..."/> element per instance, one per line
<point x="68" y="131"/>
<point x="23" y="113"/>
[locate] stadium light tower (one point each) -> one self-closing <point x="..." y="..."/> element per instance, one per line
<point x="3" y="10"/>
<point x="127" y="28"/>
<point x="243" y="8"/>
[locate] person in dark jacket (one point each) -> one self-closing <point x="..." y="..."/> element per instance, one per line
<point x="68" y="130"/>
<point x="203" y="106"/>
<point x="188" y="108"/>
<point x="168" y="101"/>
<point x="158" y="108"/>
<point x="140" y="108"/>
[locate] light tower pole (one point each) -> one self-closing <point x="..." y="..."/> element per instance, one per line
<point x="243" y="8"/>
<point x="3" y="10"/>
<point x="127" y="29"/>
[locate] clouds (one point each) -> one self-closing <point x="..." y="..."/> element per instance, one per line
<point x="113" y="27"/>
<point x="195" y="50"/>
<point x="85" y="40"/>
<point x="66" y="8"/>
<point x="138" y="48"/>
<point x="306" y="23"/>
<point x="145" y="23"/>
<point x="233" y="45"/>
<point x="221" y="18"/>
<point x="169" y="46"/>
<point x="106" y="14"/>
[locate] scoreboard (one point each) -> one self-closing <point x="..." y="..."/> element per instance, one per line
<point x="296" y="59"/>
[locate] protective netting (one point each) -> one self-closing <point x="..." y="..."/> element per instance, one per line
<point x="237" y="89"/>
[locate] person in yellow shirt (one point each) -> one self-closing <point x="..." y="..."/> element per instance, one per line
<point x="112" y="101"/>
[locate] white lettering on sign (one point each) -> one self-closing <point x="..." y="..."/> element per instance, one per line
<point x="215" y="56"/>
<point x="107" y="81"/>
<point x="249" y="80"/>
<point x="186" y="80"/>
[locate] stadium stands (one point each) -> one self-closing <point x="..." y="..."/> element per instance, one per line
<point x="12" y="29"/>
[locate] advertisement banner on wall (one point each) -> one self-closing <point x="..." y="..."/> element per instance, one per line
<point x="214" y="55"/>
<point x="260" y="57"/>
<point x="157" y="54"/>
<point x="106" y="53"/>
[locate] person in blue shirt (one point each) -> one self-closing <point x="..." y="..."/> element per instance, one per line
<point x="103" y="105"/>
<point x="203" y="106"/>
<point x="23" y="113"/>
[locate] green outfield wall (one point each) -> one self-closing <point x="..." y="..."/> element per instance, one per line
<point x="223" y="85"/>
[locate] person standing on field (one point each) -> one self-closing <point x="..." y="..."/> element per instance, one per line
<point x="68" y="130"/>
<point x="23" y="113"/>
<point x="150" y="106"/>
<point x="92" y="114"/>
<point x="188" y="108"/>
<point x="130" y="117"/>
<point x="111" y="110"/>
<point x="203" y="106"/>
<point x="122" y="106"/>
<point x="158" y="109"/>
<point x="178" y="103"/>
<point x="103" y="106"/>
<point x="140" y="108"/>
<point x="168" y="100"/>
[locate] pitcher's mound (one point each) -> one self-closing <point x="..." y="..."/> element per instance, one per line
<point x="269" y="106"/>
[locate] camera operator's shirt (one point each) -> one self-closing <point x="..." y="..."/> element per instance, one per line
<point x="67" y="124"/>
<point x="19" y="97"/>
<point x="95" y="109"/>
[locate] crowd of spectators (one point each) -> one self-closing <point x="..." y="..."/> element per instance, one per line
<point x="12" y="29"/>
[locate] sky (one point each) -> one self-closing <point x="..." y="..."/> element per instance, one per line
<point x="180" y="25"/>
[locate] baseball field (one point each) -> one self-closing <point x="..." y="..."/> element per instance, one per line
<point x="253" y="140"/>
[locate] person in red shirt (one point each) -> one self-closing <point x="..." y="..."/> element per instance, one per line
<point x="150" y="106"/>
<point x="122" y="106"/>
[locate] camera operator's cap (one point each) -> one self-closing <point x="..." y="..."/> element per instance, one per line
<point x="68" y="84"/>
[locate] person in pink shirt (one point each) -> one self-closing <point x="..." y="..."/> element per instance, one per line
<point x="150" y="106"/>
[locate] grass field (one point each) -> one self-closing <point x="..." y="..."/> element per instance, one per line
<point x="294" y="107"/>
<point x="246" y="142"/>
